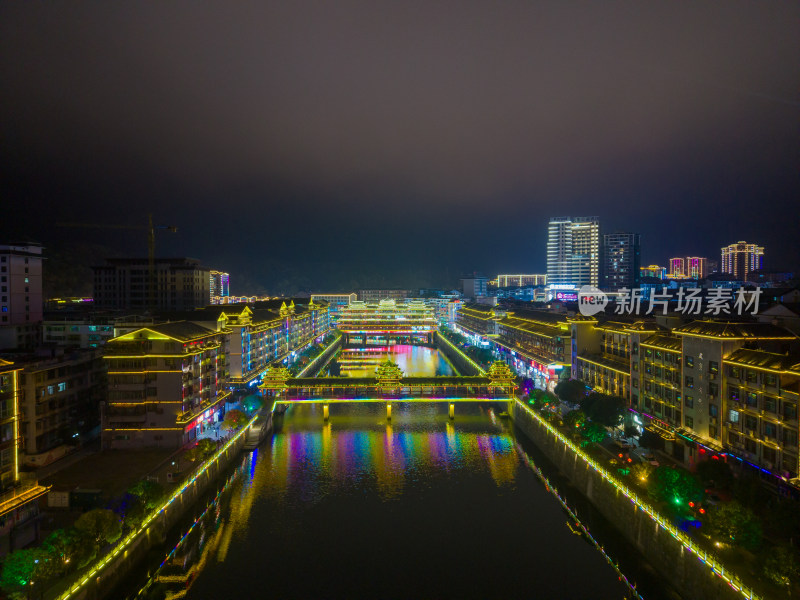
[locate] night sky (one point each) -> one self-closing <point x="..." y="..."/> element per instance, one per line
<point x="333" y="145"/>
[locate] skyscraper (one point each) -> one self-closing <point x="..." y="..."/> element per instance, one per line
<point x="219" y="284"/>
<point x="696" y="267"/>
<point x="621" y="260"/>
<point x="740" y="258"/>
<point x="21" y="303"/>
<point x="677" y="268"/>
<point x="573" y="251"/>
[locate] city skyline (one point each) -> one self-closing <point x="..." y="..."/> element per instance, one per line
<point x="388" y="133"/>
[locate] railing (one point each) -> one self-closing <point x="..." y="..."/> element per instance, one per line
<point x="21" y="494"/>
<point x="101" y="564"/>
<point x="707" y="559"/>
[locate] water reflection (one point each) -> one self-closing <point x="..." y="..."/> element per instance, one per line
<point x="420" y="361"/>
<point x="434" y="494"/>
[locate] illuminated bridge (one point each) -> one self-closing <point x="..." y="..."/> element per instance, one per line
<point x="366" y="323"/>
<point x="388" y="386"/>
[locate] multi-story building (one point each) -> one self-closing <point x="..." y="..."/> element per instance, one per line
<point x="677" y="268"/>
<point x="19" y="505"/>
<point x="60" y="400"/>
<point x="696" y="267"/>
<point x="741" y="258"/>
<point x="178" y="284"/>
<point x="335" y="302"/>
<point x="621" y="261"/>
<point x="387" y="320"/>
<point x="168" y="382"/>
<point x="504" y="281"/>
<point x="474" y="287"/>
<point x="374" y="296"/>
<point x="21" y="303"/>
<point x="573" y="251"/>
<point x="653" y="271"/>
<point x="219" y="286"/>
<point x="164" y="385"/>
<point x="79" y="333"/>
<point x="477" y="319"/>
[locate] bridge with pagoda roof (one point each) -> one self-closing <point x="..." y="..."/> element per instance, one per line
<point x="389" y="386"/>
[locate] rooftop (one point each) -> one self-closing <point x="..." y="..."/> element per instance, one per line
<point x="765" y="360"/>
<point x="735" y="331"/>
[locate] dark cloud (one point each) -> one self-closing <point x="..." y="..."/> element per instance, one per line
<point x="439" y="131"/>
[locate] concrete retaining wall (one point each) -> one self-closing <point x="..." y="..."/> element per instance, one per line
<point x="692" y="577"/>
<point x="126" y="556"/>
<point x="464" y="365"/>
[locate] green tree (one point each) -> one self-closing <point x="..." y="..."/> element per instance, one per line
<point x="570" y="390"/>
<point x="251" y="404"/>
<point x="20" y="570"/>
<point x="575" y="419"/>
<point x="100" y="525"/>
<point x="779" y="565"/>
<point x="233" y="420"/>
<point x="604" y="409"/>
<point x="734" y="524"/>
<point x="150" y="493"/>
<point x="676" y="486"/>
<point x="594" y="432"/>
<point x="69" y="548"/>
<point x="714" y="473"/>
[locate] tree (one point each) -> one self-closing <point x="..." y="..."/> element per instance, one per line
<point x="233" y="420"/>
<point x="734" y="524"/>
<point x="642" y="471"/>
<point x="20" y="569"/>
<point x="150" y="493"/>
<point x="779" y="565"/>
<point x="252" y="404"/>
<point x="714" y="473"/>
<point x="676" y="486"/>
<point x="604" y="409"/>
<point x="575" y="419"/>
<point x="69" y="548"/>
<point x="100" y="525"/>
<point x="594" y="432"/>
<point x="570" y="390"/>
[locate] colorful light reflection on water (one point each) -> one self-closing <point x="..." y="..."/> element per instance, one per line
<point x="359" y="508"/>
<point x="420" y="361"/>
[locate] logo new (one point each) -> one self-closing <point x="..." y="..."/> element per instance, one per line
<point x="591" y="300"/>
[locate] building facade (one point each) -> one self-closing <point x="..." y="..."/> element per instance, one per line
<point x="741" y="258"/>
<point x="60" y="400"/>
<point x="621" y="261"/>
<point x="504" y="281"/>
<point x="696" y="267"/>
<point x="573" y="251"/>
<point x="474" y="287"/>
<point x="219" y="286"/>
<point x="21" y="302"/>
<point x="677" y="268"/>
<point x="653" y="271"/>
<point x="178" y="284"/>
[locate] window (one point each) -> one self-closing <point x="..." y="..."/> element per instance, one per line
<point x="688" y="402"/>
<point x="713" y="389"/>
<point x="733" y="416"/>
<point x="733" y="394"/>
<point x="752" y="376"/>
<point x="770" y="430"/>
<point x="688" y="421"/>
<point x="771" y="380"/>
<point x="713" y="410"/>
<point x="734" y="372"/>
<point x="713" y="366"/>
<point x="789" y="411"/>
<point x="689" y="360"/>
<point x="770" y="405"/>
<point x="750" y="422"/>
<point x="752" y="399"/>
<point x="689" y="381"/>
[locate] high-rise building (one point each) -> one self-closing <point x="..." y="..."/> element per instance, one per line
<point x="573" y="251"/>
<point x="21" y="303"/>
<point x="219" y="285"/>
<point x="621" y="260"/>
<point x="179" y="284"/>
<point x="696" y="267"/>
<point x="504" y="281"/>
<point x="741" y="258"/>
<point x="474" y="287"/>
<point x="677" y="268"/>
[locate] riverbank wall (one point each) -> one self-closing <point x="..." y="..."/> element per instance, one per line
<point x="457" y="358"/>
<point x="692" y="571"/>
<point x="102" y="578"/>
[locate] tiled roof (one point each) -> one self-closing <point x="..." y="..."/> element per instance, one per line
<point x="765" y="360"/>
<point x="661" y="340"/>
<point x="184" y="331"/>
<point x="733" y="331"/>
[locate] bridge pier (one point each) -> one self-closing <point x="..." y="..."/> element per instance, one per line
<point x="325" y="412"/>
<point x="452" y="410"/>
<point x="388" y="412"/>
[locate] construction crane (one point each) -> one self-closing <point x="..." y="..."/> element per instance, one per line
<point x="151" y="248"/>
